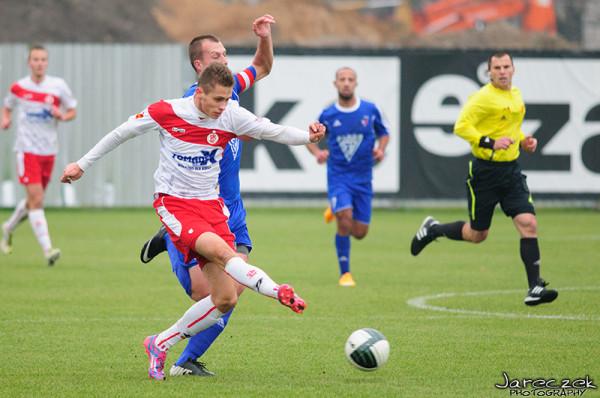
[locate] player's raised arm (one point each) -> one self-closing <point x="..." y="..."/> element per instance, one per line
<point x="263" y="58"/>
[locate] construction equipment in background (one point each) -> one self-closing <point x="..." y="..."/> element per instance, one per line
<point x="457" y="15"/>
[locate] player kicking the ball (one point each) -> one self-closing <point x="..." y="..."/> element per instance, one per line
<point x="193" y="132"/>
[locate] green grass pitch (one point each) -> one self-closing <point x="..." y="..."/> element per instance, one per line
<point x="76" y="330"/>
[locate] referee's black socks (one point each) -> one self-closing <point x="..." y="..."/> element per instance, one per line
<point x="451" y="230"/>
<point x="530" y="254"/>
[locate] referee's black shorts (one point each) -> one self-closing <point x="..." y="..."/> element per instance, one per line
<point x="490" y="183"/>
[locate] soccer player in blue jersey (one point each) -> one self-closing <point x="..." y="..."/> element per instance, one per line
<point x="203" y="50"/>
<point x="357" y="136"/>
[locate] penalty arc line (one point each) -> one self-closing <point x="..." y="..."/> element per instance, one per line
<point x="421" y="302"/>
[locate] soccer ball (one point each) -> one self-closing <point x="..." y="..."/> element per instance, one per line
<point x="367" y="349"/>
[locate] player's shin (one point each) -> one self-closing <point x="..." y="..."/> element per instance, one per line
<point x="200" y="316"/>
<point x="251" y="277"/>
<point x="530" y="254"/>
<point x="18" y="216"/>
<point x="37" y="218"/>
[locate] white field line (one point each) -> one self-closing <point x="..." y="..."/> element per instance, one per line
<point x="421" y="302"/>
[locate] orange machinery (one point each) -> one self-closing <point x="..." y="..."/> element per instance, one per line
<point x="457" y="15"/>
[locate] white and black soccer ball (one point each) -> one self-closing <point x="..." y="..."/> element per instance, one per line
<point x="367" y="349"/>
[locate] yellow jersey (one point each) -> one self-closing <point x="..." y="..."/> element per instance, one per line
<point x="495" y="113"/>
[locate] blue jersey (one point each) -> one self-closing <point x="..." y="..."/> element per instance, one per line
<point x="351" y="134"/>
<point x="229" y="177"/>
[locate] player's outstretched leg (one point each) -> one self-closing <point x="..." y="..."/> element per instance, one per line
<point x="154" y="246"/>
<point x="538" y="294"/>
<point x="424" y="235"/>
<point x="257" y="280"/>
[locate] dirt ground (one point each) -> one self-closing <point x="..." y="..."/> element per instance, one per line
<point x="311" y="23"/>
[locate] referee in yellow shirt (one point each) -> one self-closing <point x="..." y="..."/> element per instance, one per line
<point x="491" y="122"/>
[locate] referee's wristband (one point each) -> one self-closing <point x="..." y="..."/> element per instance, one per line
<point x="487" y="142"/>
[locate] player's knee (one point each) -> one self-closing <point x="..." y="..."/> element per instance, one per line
<point x="225" y="303"/>
<point x="479" y="236"/>
<point x="223" y="256"/>
<point x="35" y="202"/>
<point x="359" y="234"/>
<point x="528" y="224"/>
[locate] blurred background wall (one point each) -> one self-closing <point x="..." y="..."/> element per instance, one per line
<point x="417" y="59"/>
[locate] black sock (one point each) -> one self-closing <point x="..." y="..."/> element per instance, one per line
<point x="530" y="254"/>
<point x="451" y="230"/>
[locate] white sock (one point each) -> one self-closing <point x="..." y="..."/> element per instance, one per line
<point x="251" y="276"/>
<point x="17" y="216"/>
<point x="202" y="315"/>
<point x="37" y="219"/>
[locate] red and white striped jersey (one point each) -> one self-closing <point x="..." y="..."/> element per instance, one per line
<point x="36" y="128"/>
<point x="191" y="144"/>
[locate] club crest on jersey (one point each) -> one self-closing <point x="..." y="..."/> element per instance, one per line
<point x="139" y="116"/>
<point x="349" y="144"/>
<point x="212" y="138"/>
<point x="365" y="121"/>
<point x="234" y="145"/>
<point x="178" y="130"/>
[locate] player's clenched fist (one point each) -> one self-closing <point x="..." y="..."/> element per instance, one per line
<point x="316" y="131"/>
<point x="529" y="144"/>
<point x="71" y="173"/>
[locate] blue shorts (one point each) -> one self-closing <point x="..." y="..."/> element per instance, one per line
<point x="347" y="195"/>
<point x="237" y="224"/>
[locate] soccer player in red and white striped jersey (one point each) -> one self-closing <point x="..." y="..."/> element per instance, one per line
<point x="40" y="101"/>
<point x="193" y="133"/>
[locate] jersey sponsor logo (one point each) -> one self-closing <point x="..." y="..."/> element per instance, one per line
<point x="39" y="117"/>
<point x="234" y="145"/>
<point x="212" y="138"/>
<point x="205" y="157"/>
<point x="349" y="144"/>
<point x="178" y="130"/>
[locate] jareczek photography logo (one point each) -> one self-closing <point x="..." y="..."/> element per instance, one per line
<point x="542" y="387"/>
